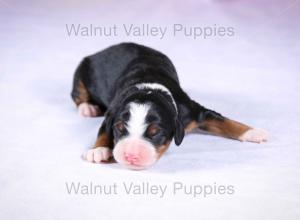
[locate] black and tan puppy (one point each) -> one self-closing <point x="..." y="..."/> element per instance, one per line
<point x="136" y="88"/>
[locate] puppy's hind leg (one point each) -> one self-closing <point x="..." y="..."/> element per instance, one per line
<point x="82" y="100"/>
<point x="81" y="96"/>
<point x="217" y="124"/>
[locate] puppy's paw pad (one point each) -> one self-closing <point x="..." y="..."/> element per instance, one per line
<point x="88" y="110"/>
<point x="97" y="155"/>
<point x="256" y="135"/>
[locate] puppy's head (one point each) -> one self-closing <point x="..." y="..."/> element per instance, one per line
<point x="142" y="131"/>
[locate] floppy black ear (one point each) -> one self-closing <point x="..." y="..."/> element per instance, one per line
<point x="109" y="118"/>
<point x="179" y="132"/>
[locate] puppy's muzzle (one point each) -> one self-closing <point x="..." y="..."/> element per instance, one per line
<point x="135" y="153"/>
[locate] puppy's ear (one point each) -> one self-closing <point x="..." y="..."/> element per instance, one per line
<point x="109" y="118"/>
<point x="179" y="132"/>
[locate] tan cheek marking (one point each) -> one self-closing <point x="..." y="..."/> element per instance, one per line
<point x="191" y="126"/>
<point x="104" y="141"/>
<point x="162" y="149"/>
<point x="83" y="94"/>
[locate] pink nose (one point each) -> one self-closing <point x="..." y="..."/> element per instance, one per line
<point x="131" y="158"/>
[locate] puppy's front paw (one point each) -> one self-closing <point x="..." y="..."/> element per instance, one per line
<point x="254" y="135"/>
<point x="88" y="110"/>
<point x="98" y="154"/>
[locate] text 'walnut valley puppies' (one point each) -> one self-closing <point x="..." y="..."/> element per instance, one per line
<point x="136" y="88"/>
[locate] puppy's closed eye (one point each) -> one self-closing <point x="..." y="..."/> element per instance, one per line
<point x="152" y="130"/>
<point x="120" y="126"/>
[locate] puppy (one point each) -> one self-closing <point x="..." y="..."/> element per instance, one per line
<point x="137" y="89"/>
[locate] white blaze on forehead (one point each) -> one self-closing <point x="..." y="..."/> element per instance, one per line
<point x="157" y="86"/>
<point x="136" y="124"/>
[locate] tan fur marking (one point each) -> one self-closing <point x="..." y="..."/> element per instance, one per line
<point x="162" y="149"/>
<point x="83" y="94"/>
<point x="103" y="141"/>
<point x="191" y="126"/>
<point x="226" y="128"/>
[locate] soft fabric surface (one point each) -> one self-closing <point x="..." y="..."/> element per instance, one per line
<point x="252" y="77"/>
